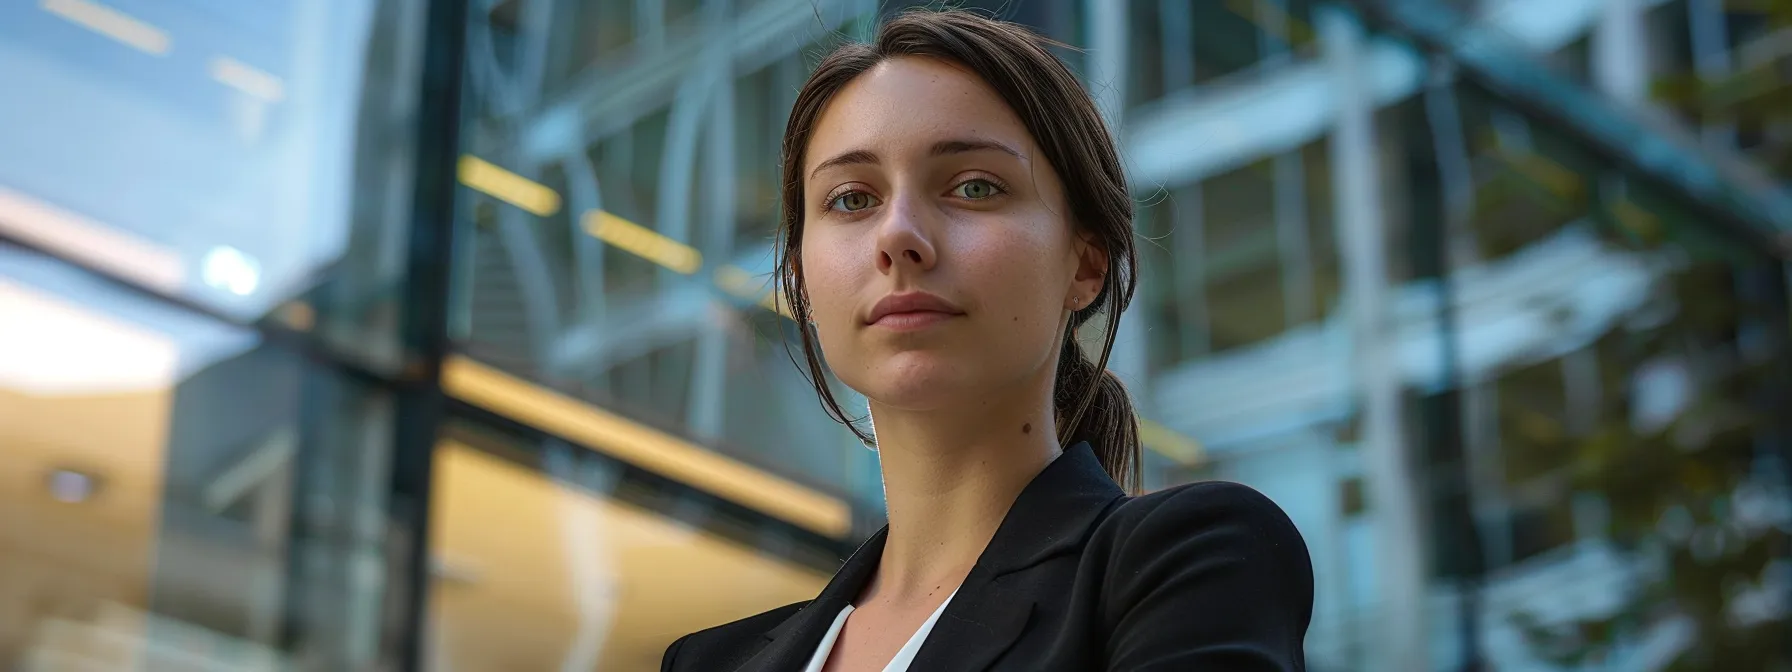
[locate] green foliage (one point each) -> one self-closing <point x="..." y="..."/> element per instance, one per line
<point x="1671" y="488"/>
<point x="1756" y="95"/>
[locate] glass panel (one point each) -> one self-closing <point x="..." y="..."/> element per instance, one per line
<point x="1240" y="258"/>
<point x="1598" y="327"/>
<point x="1182" y="45"/>
<point x="1590" y="395"/>
<point x="232" y="154"/>
<point x="642" y="283"/>
<point x="1585" y="393"/>
<point x="550" y="557"/>
<point x="152" y="463"/>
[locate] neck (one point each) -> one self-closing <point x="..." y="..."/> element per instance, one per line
<point x="949" y="480"/>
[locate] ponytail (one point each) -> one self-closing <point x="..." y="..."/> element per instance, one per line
<point x="1092" y="405"/>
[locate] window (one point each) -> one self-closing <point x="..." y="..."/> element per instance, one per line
<point x="1241" y="257"/>
<point x="155" y="476"/>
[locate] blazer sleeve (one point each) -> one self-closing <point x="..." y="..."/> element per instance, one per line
<point x="1210" y="576"/>
<point x="669" y="662"/>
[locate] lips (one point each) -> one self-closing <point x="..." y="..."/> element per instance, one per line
<point x="912" y="309"/>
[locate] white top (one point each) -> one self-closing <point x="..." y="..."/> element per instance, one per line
<point x="904" y="655"/>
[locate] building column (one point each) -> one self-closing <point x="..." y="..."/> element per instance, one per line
<point x="1361" y="231"/>
<point x="709" y="387"/>
<point x="1620" y="58"/>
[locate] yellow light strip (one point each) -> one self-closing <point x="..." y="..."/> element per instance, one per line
<point x="111" y="23"/>
<point x="248" y="79"/>
<point x="644" y="447"/>
<point x="643" y="242"/>
<point x="737" y="281"/>
<point x="1169" y="443"/>
<point x="774" y="301"/>
<point x="508" y="186"/>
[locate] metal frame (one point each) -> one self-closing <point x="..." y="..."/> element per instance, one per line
<point x="457" y="55"/>
<point x="425" y="324"/>
<point x="1743" y="204"/>
<point x="1361" y="234"/>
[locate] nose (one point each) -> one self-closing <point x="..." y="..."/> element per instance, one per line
<point x="904" y="240"/>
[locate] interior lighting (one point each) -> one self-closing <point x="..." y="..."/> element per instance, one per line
<point x="643" y="242"/>
<point x="737" y="281"/>
<point x="72" y="487"/>
<point x="231" y="270"/>
<point x="644" y="447"/>
<point x="247" y="79"/>
<point x="1169" y="443"/>
<point x="509" y="187"/>
<point x="111" y="23"/>
<point x="54" y="347"/>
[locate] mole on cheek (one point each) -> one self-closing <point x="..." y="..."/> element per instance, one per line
<point x="1026" y="428"/>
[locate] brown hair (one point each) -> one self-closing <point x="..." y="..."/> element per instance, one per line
<point x="1091" y="403"/>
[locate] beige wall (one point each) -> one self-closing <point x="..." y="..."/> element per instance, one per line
<point x="62" y="560"/>
<point x="540" y="574"/>
<point x="537" y="576"/>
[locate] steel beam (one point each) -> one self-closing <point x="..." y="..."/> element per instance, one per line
<point x="1361" y="232"/>
<point x="1740" y="202"/>
<point x="606" y="102"/>
<point x="1205" y="130"/>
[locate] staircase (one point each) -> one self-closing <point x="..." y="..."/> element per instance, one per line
<point x="499" y="329"/>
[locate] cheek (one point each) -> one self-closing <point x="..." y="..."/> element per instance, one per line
<point x="1019" y="267"/>
<point x="1021" y="291"/>
<point x="830" y="279"/>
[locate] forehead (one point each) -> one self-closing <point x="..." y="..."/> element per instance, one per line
<point x="903" y="105"/>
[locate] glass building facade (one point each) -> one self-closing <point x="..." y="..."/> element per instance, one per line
<point x="435" y="335"/>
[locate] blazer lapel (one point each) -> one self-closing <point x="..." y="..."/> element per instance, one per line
<point x="1051" y="517"/>
<point x="979" y="625"/>
<point x="792" y="643"/>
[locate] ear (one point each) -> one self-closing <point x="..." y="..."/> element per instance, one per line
<point x="1091" y="273"/>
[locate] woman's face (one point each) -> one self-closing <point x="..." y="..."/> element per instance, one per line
<point x="937" y="255"/>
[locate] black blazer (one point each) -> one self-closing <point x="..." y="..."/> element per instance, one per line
<point x="1210" y="577"/>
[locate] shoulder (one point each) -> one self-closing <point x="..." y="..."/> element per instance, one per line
<point x="1222" y="511"/>
<point x="726" y="645"/>
<point x="1173" y="561"/>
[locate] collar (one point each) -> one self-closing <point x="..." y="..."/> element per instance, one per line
<point x="1053" y="513"/>
<point x="1051" y="516"/>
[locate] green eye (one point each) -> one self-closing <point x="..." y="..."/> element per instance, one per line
<point x="853" y="201"/>
<point x="976" y="189"/>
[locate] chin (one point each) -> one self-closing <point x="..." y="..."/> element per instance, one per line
<point x="916" y="381"/>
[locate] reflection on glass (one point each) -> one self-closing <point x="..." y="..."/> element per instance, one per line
<point x="146" y="489"/>
<point x="82" y="475"/>
<point x="552" y="571"/>
<point x="654" y="130"/>
<point x="1590" y="330"/>
<point x="224" y="152"/>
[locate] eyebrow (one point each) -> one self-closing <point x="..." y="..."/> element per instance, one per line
<point x="941" y="148"/>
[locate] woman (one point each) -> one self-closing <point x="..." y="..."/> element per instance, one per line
<point x="953" y="210"/>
